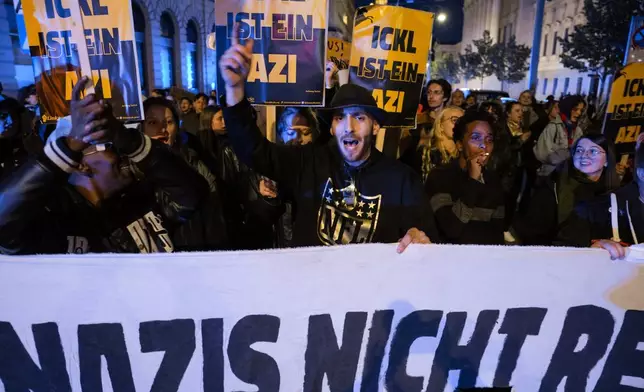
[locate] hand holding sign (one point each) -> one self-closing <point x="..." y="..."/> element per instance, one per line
<point x="88" y="122"/>
<point x="413" y="236"/>
<point x="234" y="66"/>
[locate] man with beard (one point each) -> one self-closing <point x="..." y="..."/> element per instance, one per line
<point x="347" y="191"/>
<point x="99" y="188"/>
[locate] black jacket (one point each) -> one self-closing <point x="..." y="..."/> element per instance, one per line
<point x="190" y="122"/>
<point x="206" y="230"/>
<point x="41" y="213"/>
<point x="386" y="199"/>
<point x="249" y="216"/>
<point x="467" y="211"/>
<point x="591" y="220"/>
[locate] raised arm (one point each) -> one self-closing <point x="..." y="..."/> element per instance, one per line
<point x="280" y="163"/>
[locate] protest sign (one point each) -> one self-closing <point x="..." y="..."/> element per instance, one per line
<point x="62" y="33"/>
<point x="389" y="56"/>
<point x="288" y="63"/>
<point x="625" y="112"/>
<point x="338" y="51"/>
<point x="362" y="317"/>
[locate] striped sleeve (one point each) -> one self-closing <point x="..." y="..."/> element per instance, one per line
<point x="62" y="156"/>
<point x="142" y="152"/>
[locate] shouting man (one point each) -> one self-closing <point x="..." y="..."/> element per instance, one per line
<point x="346" y="192"/>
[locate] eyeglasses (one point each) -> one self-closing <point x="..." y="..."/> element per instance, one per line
<point x="594" y="152"/>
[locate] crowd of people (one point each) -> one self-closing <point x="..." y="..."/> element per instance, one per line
<point x="194" y="176"/>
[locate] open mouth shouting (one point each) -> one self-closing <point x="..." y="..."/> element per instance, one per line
<point x="351" y="146"/>
<point x="162" y="138"/>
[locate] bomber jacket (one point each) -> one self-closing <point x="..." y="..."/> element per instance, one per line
<point x="41" y="213"/>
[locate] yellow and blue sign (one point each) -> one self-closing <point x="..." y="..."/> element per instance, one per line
<point x="59" y="42"/>
<point x="288" y="63"/>
<point x="625" y="112"/>
<point x="389" y="57"/>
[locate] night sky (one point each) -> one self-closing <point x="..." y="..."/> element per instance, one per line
<point x="449" y="32"/>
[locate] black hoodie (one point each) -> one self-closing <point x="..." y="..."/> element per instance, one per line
<point x="386" y="199"/>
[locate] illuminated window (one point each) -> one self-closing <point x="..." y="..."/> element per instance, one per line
<point x="168" y="70"/>
<point x="141" y="50"/>
<point x="192" y="52"/>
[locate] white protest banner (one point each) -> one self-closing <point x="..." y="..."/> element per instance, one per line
<point x="353" y="318"/>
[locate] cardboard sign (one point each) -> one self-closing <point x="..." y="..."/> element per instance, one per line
<point x="68" y="38"/>
<point x="338" y="51"/>
<point x="288" y="61"/>
<point x="625" y="112"/>
<point x="389" y="56"/>
<point x="350" y="318"/>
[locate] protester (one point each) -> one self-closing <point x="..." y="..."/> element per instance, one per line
<point x="530" y="116"/>
<point x="437" y="93"/>
<point x="509" y="162"/>
<point x="366" y="196"/>
<point x="185" y="105"/>
<point x="297" y="126"/>
<point x="467" y="199"/>
<point x="189" y="118"/>
<point x="249" y="216"/>
<point x="434" y="147"/>
<point x="553" y="146"/>
<point x="470" y="102"/>
<point x="458" y="99"/>
<point x="206" y="230"/>
<point x="590" y="172"/>
<point x="201" y="100"/>
<point x="592" y="222"/>
<point x="102" y="188"/>
<point x="493" y="108"/>
<point x="18" y="139"/>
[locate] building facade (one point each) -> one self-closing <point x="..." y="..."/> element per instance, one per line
<point x="507" y="18"/>
<point x="175" y="43"/>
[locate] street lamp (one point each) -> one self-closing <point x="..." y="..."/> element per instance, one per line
<point x="442" y="17"/>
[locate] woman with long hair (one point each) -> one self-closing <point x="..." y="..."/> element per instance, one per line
<point x="206" y="229"/>
<point x="434" y="146"/>
<point x="589" y="173"/>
